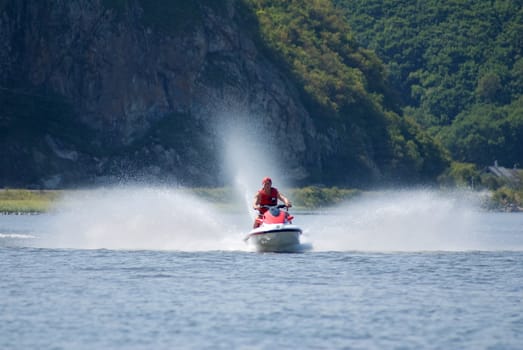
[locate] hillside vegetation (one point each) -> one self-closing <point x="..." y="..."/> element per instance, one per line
<point x="378" y="92"/>
<point x="458" y="67"/>
<point x="345" y="87"/>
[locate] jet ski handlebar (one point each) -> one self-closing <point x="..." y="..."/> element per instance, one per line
<point x="279" y="206"/>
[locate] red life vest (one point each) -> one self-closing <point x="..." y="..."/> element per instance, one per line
<point x="268" y="199"/>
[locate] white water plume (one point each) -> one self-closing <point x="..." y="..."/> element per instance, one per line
<point x="248" y="156"/>
<point x="142" y="218"/>
<point x="173" y="219"/>
<point x="135" y="217"/>
<point x="422" y="220"/>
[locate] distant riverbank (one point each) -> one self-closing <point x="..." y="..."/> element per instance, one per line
<point x="24" y="201"/>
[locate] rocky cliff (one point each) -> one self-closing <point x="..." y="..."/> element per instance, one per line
<point x="95" y="90"/>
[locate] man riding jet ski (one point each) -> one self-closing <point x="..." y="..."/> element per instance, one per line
<point x="273" y="229"/>
<point x="266" y="197"/>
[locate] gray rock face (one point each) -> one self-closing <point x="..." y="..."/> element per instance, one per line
<point x="149" y="100"/>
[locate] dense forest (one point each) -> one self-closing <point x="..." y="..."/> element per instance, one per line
<point x="346" y="87"/>
<point x="380" y="92"/>
<point x="450" y="72"/>
<point x="458" y="68"/>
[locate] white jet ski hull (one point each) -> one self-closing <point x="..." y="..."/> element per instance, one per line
<point x="275" y="238"/>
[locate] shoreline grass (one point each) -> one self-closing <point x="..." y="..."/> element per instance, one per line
<point x="25" y="201"/>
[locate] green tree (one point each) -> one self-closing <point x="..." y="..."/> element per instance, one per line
<point x="489" y="87"/>
<point x="345" y="87"/>
<point x="457" y="64"/>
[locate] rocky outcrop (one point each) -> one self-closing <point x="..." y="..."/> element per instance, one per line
<point x="97" y="91"/>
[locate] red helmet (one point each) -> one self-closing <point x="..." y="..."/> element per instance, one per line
<point x="266" y="179"/>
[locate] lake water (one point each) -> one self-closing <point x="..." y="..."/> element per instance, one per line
<point x="154" y="269"/>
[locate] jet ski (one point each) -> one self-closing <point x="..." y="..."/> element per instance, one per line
<point x="276" y="232"/>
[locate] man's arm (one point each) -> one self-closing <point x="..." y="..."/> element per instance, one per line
<point x="284" y="200"/>
<point x="256" y="204"/>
